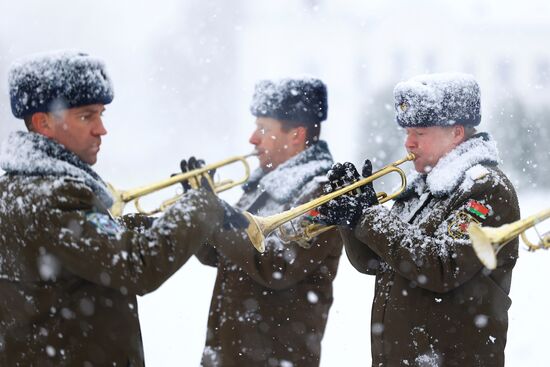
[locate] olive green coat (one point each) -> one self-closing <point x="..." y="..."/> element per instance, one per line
<point x="271" y="309"/>
<point x="69" y="274"/>
<point x="434" y="302"/>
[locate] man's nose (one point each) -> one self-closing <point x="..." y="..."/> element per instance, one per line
<point x="410" y="142"/>
<point x="255" y="138"/>
<point x="99" y="129"/>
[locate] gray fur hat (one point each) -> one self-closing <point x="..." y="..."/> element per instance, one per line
<point x="57" y="80"/>
<point x="438" y="100"/>
<point x="298" y="100"/>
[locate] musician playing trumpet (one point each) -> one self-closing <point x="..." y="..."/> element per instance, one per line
<point x="70" y="273"/>
<point x="272" y="308"/>
<point x="434" y="304"/>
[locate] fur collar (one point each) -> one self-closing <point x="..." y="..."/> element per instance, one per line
<point x="450" y="171"/>
<point x="287" y="181"/>
<point x="27" y="153"/>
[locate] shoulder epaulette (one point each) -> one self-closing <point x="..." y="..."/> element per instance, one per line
<point x="478" y="172"/>
<point x="73" y="179"/>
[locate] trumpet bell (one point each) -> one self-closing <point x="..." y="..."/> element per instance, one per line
<point x="255" y="231"/>
<point x="118" y="202"/>
<point x="483" y="245"/>
<point x="488" y="241"/>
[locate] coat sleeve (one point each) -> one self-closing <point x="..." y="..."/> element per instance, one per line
<point x="440" y="262"/>
<point x="359" y="255"/>
<point x="137" y="222"/>
<point x="282" y="265"/>
<point x="207" y="255"/>
<point x="97" y="248"/>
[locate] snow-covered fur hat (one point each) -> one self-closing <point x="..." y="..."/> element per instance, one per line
<point x="57" y="80"/>
<point x="297" y="100"/>
<point x="438" y="100"/>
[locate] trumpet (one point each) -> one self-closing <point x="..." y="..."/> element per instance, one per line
<point x="488" y="241"/>
<point x="122" y="197"/>
<point x="260" y="227"/>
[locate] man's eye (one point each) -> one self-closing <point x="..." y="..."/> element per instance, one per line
<point x="262" y="131"/>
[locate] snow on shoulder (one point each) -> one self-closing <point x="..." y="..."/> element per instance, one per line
<point x="33" y="154"/>
<point x="458" y="165"/>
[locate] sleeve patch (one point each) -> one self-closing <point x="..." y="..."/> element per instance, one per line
<point x="104" y="224"/>
<point x="458" y="229"/>
<point x="312" y="215"/>
<point x="477" y="209"/>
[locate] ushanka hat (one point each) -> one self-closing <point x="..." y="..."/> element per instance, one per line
<point x="438" y="100"/>
<point x="297" y="100"/>
<point x="57" y="80"/>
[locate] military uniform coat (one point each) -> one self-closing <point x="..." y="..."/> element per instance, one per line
<point x="271" y="309"/>
<point x="434" y="303"/>
<point x="69" y="273"/>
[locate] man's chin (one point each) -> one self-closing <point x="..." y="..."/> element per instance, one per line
<point x="90" y="160"/>
<point x="419" y="168"/>
<point x="424" y="169"/>
<point x="267" y="166"/>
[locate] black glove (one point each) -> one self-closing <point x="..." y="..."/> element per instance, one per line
<point x="347" y="209"/>
<point x="191" y="164"/>
<point x="232" y="218"/>
<point x="368" y="196"/>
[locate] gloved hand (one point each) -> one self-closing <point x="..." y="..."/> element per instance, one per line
<point x="233" y="219"/>
<point x="346" y="210"/>
<point x="191" y="164"/>
<point x="368" y="196"/>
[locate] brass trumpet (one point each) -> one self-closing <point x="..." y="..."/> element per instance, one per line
<point x="488" y="241"/>
<point x="122" y="197"/>
<point x="260" y="227"/>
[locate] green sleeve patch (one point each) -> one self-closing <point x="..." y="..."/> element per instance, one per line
<point x="104" y="224"/>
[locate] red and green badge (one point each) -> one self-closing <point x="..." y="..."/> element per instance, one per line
<point x="311" y="215"/>
<point x="474" y="212"/>
<point x="477" y="209"/>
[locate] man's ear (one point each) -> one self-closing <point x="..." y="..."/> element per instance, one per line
<point x="41" y="123"/>
<point x="299" y="135"/>
<point x="459" y="134"/>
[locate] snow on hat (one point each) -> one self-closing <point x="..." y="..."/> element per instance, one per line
<point x="297" y="100"/>
<point x="438" y="100"/>
<point x="57" y="80"/>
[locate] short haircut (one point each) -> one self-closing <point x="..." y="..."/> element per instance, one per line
<point x="28" y="122"/>
<point x="313" y="131"/>
<point x="469" y="131"/>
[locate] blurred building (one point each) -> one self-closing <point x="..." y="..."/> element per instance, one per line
<point x="371" y="49"/>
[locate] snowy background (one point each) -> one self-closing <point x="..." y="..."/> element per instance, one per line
<point x="184" y="72"/>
